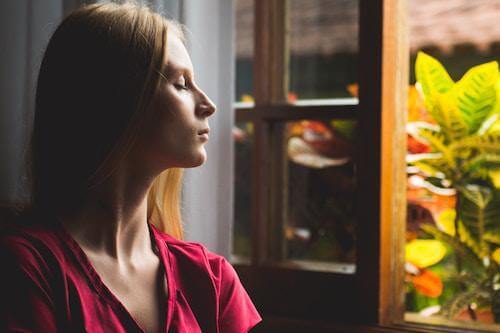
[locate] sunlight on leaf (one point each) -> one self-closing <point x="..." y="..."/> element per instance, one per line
<point x="495" y="177"/>
<point x="496" y="255"/>
<point x="425" y="252"/>
<point x="432" y="76"/>
<point x="446" y="221"/>
<point x="476" y="95"/>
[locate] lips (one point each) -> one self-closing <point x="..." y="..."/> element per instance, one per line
<point x="204" y="131"/>
<point x="203" y="134"/>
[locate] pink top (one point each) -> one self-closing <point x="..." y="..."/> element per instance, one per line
<point x="48" y="285"/>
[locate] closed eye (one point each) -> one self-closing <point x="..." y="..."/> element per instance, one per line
<point x="180" y="86"/>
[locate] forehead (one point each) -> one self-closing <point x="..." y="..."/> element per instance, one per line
<point x="177" y="58"/>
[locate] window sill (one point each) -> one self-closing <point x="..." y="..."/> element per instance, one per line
<point x="286" y="325"/>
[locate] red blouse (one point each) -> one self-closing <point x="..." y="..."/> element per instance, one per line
<point x="49" y="284"/>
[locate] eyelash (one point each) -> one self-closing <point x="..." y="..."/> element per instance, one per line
<point x="182" y="87"/>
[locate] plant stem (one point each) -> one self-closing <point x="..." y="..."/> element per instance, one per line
<point x="458" y="261"/>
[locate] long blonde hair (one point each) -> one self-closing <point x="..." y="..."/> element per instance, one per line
<point x="97" y="79"/>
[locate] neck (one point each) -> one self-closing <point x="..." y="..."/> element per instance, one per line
<point x="113" y="218"/>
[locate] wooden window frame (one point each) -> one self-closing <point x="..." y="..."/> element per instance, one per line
<point x="292" y="299"/>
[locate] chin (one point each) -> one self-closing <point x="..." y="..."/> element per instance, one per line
<point x="197" y="160"/>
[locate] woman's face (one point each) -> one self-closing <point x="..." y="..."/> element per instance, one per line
<point x="180" y="112"/>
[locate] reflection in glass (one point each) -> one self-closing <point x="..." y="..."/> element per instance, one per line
<point x="321" y="191"/>
<point x="243" y="138"/>
<point x="244" y="17"/>
<point x="323" y="48"/>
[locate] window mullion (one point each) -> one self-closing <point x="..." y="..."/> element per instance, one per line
<point x="294" y="112"/>
<point x="368" y="160"/>
<point x="270" y="87"/>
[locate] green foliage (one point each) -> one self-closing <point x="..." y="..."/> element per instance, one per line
<point x="487" y="143"/>
<point x="465" y="149"/>
<point x="459" y="247"/>
<point x="476" y="95"/>
<point x="459" y="108"/>
<point x="467" y="112"/>
<point x="438" y="142"/>
<point x="479" y="211"/>
<point x="463" y="299"/>
<point x="345" y="127"/>
<point x="433" y="78"/>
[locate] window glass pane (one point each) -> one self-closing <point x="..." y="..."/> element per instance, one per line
<point x="323" y="48"/>
<point x="320" y="190"/>
<point x="453" y="223"/>
<point x="243" y="138"/>
<point x="244" y="50"/>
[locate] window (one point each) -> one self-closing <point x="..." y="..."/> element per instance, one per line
<point x="316" y="221"/>
<point x="321" y="176"/>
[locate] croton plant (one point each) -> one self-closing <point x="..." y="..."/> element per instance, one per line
<point x="454" y="151"/>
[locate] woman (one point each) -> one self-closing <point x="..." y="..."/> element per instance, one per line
<point x="99" y="248"/>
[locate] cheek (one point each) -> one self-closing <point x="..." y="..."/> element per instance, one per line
<point x="170" y="135"/>
<point x="174" y="119"/>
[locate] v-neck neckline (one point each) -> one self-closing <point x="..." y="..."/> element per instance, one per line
<point x="105" y="291"/>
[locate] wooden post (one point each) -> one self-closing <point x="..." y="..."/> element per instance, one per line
<point x="383" y="83"/>
<point x="270" y="88"/>
<point x="395" y="81"/>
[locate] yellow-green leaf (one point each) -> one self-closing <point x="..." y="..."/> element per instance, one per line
<point x="489" y="143"/>
<point x="432" y="77"/>
<point x="496" y="255"/>
<point x="476" y="95"/>
<point x="425" y="252"/>
<point x="492" y="237"/>
<point x="495" y="177"/>
<point x="446" y="221"/>
<point x="437" y="141"/>
<point x="468" y="239"/>
<point x="447" y="114"/>
<point x="495" y="127"/>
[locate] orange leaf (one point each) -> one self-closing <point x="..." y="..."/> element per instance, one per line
<point x="317" y="126"/>
<point x="417" y="147"/>
<point x="428" y="283"/>
<point x="353" y="89"/>
<point x="416" y="107"/>
<point x="292" y="97"/>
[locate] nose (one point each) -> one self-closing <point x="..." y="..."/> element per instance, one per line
<point x="205" y="106"/>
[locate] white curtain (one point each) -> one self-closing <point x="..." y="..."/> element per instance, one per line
<point x="208" y="189"/>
